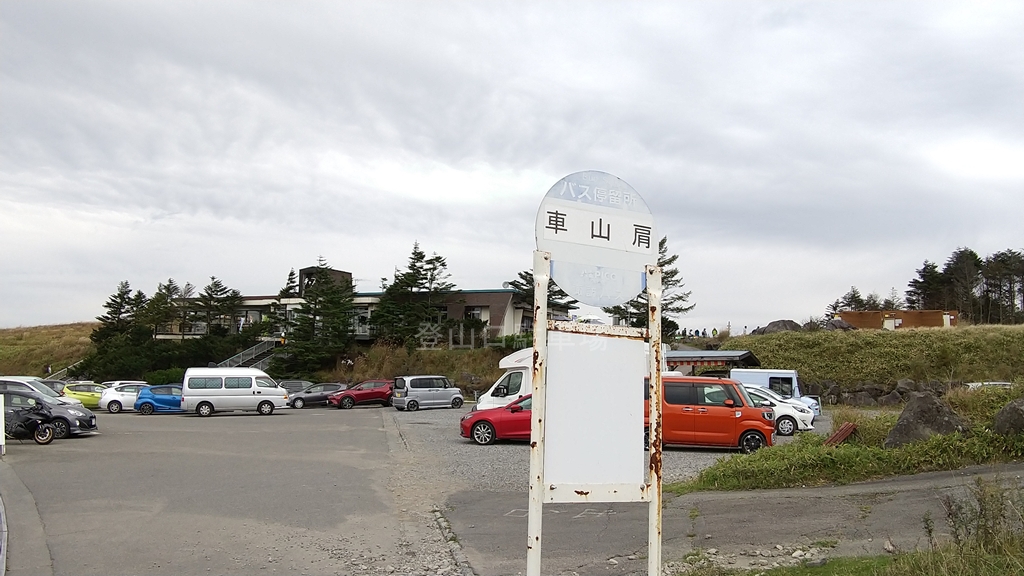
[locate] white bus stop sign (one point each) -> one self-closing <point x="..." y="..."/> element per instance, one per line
<point x="600" y="234"/>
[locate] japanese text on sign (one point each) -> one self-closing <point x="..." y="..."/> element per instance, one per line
<point x="630" y="231"/>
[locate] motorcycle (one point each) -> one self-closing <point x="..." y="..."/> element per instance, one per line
<point x="31" y="422"/>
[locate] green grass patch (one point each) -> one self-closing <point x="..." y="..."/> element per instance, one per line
<point x="965" y="354"/>
<point x="808" y="462"/>
<point x="860" y="566"/>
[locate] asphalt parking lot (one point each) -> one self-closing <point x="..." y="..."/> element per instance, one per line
<point x="314" y="491"/>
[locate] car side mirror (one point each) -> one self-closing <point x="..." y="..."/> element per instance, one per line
<point x="515" y="408"/>
<point x="768" y="403"/>
<point x="500" y="391"/>
<point x="729" y="403"/>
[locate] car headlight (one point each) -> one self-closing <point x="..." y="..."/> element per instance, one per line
<point x="768" y="415"/>
<point x="74" y="412"/>
<point x="466" y="416"/>
<point x="802" y="410"/>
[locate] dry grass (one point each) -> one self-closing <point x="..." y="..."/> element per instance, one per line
<point x="470" y="369"/>
<point x="26" y="351"/>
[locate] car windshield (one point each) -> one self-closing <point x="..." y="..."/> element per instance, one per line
<point x="771" y="394"/>
<point x="44" y="390"/>
<point x="48" y="401"/>
<point x="746" y="397"/>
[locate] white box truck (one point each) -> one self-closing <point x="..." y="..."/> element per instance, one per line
<point x="785" y="383"/>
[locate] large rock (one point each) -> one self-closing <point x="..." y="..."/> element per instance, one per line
<point x="1010" y="420"/>
<point x="859" y="399"/>
<point x="924" y="416"/>
<point x="905" y="386"/>
<point x="779" y="326"/>
<point x="839" y="324"/>
<point x="834" y="393"/>
<point x="874" y="390"/>
<point x="891" y="399"/>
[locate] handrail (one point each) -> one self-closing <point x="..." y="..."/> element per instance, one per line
<point x="60" y="374"/>
<point x="248" y="354"/>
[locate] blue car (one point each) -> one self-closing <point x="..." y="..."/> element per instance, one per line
<point x="162" y="398"/>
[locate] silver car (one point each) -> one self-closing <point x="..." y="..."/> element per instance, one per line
<point x="415" y="392"/>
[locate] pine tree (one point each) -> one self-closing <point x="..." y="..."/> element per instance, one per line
<point x="322" y="329"/>
<point x="673" y="299"/>
<point x="926" y="292"/>
<point x="523" y="286"/>
<point x="413" y="301"/>
<point x="118" y="319"/>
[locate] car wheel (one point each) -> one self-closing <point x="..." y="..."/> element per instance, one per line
<point x="751" y="441"/>
<point x="114" y="407"/>
<point x="265" y="408"/>
<point x="482" y="433"/>
<point x="387" y="402"/>
<point x="786" y="426"/>
<point x="347" y="402"/>
<point x="456" y="402"/>
<point x="204" y="409"/>
<point x="298" y="403"/>
<point x="146" y="409"/>
<point x="61" y="427"/>
<point x="412" y="405"/>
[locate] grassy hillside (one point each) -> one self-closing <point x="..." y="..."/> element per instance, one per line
<point x="25" y="351"/>
<point x="970" y="353"/>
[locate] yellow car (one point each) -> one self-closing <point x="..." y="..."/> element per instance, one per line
<point x="87" y="392"/>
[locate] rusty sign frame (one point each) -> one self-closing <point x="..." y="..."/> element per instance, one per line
<point x="540" y="493"/>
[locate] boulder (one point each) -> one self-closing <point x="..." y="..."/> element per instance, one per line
<point x="859" y="399"/>
<point x="872" y="389"/>
<point x="839" y="324"/>
<point x="923" y="417"/>
<point x="813" y="389"/>
<point x="1009" y="420"/>
<point x="833" y="393"/>
<point x="891" y="399"/>
<point x="779" y="326"/>
<point x="905" y="386"/>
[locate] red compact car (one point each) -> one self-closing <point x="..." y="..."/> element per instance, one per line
<point x="368" y="392"/>
<point x="510" y="422"/>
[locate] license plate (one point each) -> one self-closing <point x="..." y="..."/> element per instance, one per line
<point x="92" y="421"/>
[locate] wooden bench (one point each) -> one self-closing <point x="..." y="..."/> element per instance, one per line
<point x="844" y="432"/>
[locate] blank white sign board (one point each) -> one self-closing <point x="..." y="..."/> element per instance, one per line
<point x="594" y="429"/>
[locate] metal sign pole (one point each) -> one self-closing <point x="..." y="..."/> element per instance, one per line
<point x="654" y="293"/>
<point x="541" y="277"/>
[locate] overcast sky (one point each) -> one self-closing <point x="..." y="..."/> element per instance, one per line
<point x="787" y="150"/>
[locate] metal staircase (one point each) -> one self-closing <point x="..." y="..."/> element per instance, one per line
<point x="256" y="357"/>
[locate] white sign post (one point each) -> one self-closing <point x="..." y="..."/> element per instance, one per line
<point x="596" y="239"/>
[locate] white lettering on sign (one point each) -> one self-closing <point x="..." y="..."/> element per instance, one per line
<point x="569" y="221"/>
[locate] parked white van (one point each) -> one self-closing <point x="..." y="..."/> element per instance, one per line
<point x="515" y="383"/>
<point x="785" y="383"/>
<point x="209" y="390"/>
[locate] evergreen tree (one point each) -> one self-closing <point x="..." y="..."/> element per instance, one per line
<point x="414" y="300"/>
<point x="277" y="319"/>
<point x="962" y="276"/>
<point x="119" y="318"/>
<point x="523" y="286"/>
<point x="218" y="305"/>
<point x="927" y="291"/>
<point x="673" y="299"/>
<point x="323" y="328"/>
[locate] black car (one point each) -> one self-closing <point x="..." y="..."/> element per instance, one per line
<point x="67" y="420"/>
<point x="313" y="395"/>
<point x="293" y="386"/>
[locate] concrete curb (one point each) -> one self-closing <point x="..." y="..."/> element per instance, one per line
<point x="453" y="543"/>
<point x="3" y="537"/>
<point x="25" y="548"/>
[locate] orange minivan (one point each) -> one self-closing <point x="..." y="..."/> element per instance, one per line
<point x="712" y="412"/>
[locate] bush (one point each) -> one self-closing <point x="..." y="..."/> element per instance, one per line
<point x="169" y="376"/>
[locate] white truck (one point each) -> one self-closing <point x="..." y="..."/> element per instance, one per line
<point x="785" y="383"/>
<point x="515" y="383"/>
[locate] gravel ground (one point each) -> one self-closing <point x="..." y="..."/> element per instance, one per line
<point x="505" y="465"/>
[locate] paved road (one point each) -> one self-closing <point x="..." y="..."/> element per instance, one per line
<point x="299" y="491"/>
